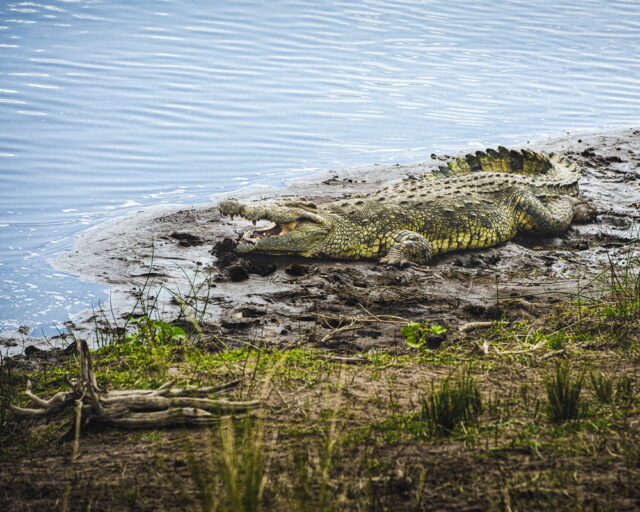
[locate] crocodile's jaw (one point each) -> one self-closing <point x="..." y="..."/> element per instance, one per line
<point x="295" y="228"/>
<point x="300" y="237"/>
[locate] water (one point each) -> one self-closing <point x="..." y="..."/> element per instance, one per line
<point x="110" y="106"/>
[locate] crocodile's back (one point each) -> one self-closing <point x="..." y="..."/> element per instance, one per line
<point x="488" y="173"/>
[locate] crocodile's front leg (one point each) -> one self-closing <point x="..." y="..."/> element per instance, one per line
<point x="406" y="247"/>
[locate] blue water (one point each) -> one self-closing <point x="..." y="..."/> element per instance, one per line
<point x="109" y="106"/>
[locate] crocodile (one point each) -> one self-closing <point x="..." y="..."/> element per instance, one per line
<point x="476" y="201"/>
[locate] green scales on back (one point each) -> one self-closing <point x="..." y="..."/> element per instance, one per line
<point x="473" y="202"/>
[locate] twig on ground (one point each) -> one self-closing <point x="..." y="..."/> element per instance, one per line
<point x="472" y="326"/>
<point x="343" y="359"/>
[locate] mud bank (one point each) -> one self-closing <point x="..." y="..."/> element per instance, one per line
<point x="176" y="259"/>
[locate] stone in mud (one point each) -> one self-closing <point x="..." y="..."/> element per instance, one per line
<point x="223" y="250"/>
<point x="297" y="270"/>
<point x="186" y="239"/>
<point x="261" y="269"/>
<point x="34" y="352"/>
<point x="237" y="273"/>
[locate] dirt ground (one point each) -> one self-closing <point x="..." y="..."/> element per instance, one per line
<point x="178" y="261"/>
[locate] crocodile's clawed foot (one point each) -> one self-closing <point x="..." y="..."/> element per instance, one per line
<point x="396" y="261"/>
<point x="410" y="248"/>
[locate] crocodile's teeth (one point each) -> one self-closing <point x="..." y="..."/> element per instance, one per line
<point x="270" y="227"/>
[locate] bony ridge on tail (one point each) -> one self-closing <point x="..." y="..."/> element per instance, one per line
<point x="475" y="201"/>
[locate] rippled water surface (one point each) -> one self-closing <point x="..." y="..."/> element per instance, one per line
<point x="108" y="106"/>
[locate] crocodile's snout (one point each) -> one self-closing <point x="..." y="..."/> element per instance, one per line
<point x="230" y="207"/>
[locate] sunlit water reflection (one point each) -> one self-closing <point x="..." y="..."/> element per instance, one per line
<point x="109" y="106"/>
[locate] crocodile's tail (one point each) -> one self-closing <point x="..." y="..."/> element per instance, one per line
<point x="543" y="173"/>
<point x="525" y="162"/>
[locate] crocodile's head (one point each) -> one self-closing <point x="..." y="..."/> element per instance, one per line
<point x="295" y="228"/>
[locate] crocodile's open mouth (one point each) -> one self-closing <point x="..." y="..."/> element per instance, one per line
<point x="278" y="229"/>
<point x="273" y="230"/>
<point x="295" y="237"/>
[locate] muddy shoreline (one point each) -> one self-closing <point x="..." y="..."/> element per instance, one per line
<point x="177" y="257"/>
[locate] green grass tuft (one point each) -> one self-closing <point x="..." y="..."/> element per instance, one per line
<point x="603" y="387"/>
<point x="455" y="402"/>
<point x="232" y="473"/>
<point x="564" y="394"/>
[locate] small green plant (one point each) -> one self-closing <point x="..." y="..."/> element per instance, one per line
<point x="456" y="401"/>
<point x="416" y="333"/>
<point x="556" y="340"/>
<point x="313" y="483"/>
<point x="625" y="388"/>
<point x="619" y="308"/>
<point x="603" y="388"/>
<point x="154" y="332"/>
<point x="243" y="467"/>
<point x="193" y="305"/>
<point x="10" y="389"/>
<point x="232" y="474"/>
<point x="625" y="291"/>
<point x="564" y="394"/>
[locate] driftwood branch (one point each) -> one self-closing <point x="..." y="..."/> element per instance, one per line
<point x="137" y="408"/>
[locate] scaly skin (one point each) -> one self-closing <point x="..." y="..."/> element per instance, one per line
<point x="477" y="201"/>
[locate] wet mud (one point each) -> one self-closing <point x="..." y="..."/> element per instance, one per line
<point x="180" y="260"/>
